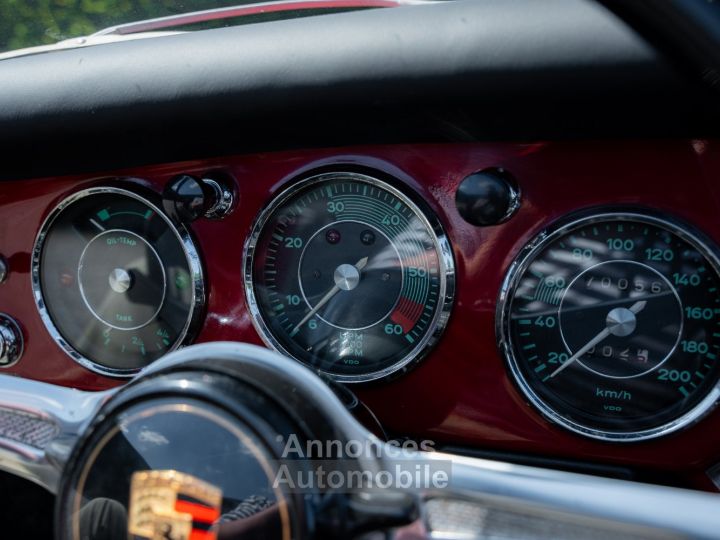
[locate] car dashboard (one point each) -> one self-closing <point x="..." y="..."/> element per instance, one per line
<point x="478" y="228"/>
<point x="469" y="383"/>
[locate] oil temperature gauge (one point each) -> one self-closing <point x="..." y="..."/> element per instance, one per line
<point x="117" y="284"/>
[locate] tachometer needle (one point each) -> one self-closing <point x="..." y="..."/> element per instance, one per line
<point x="332" y="292"/>
<point x="617" y="323"/>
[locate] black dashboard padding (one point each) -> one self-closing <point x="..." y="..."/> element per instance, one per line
<point x="688" y="31"/>
<point x="465" y="70"/>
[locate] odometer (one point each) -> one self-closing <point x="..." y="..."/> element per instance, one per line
<point x="346" y="274"/>
<point x="610" y="325"/>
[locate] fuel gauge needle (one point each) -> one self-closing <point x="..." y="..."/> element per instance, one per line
<point x="619" y="322"/>
<point x="346" y="278"/>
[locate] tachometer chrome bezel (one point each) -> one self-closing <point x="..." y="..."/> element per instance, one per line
<point x="443" y="249"/>
<point x="512" y="279"/>
<point x="192" y="322"/>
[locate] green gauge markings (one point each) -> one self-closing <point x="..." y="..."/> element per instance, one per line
<point x="363" y="268"/>
<point x="617" y="308"/>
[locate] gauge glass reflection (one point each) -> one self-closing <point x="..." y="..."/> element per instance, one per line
<point x="610" y="325"/>
<point x="346" y="274"/>
<point x="116" y="283"/>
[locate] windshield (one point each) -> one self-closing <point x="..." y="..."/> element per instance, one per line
<point x="27" y="23"/>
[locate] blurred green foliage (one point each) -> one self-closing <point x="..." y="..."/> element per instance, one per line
<point x="25" y="23"/>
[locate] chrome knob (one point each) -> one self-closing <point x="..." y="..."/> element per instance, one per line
<point x="187" y="198"/>
<point x="11" y="341"/>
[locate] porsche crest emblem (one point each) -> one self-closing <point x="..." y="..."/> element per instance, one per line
<point x="170" y="505"/>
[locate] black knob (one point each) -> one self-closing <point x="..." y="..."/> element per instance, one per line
<point x="186" y="198"/>
<point x="487" y="197"/>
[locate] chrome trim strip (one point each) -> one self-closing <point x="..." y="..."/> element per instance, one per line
<point x="520" y="265"/>
<point x="446" y="295"/>
<point x="618" y="502"/>
<point x="191" y="254"/>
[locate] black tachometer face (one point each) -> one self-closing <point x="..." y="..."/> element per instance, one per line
<point x="610" y="325"/>
<point x="347" y="275"/>
<point x="115" y="281"/>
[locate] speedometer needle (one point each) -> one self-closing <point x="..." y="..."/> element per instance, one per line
<point x="618" y="323"/>
<point x="341" y="282"/>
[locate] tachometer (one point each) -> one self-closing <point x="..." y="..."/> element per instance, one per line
<point x="345" y="273"/>
<point x="610" y="326"/>
<point x="117" y="284"/>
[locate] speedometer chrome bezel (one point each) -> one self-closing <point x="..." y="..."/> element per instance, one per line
<point x="439" y="238"/>
<point x="191" y="254"/>
<point x="521" y="263"/>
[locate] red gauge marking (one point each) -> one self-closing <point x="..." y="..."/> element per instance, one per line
<point x="406" y="313"/>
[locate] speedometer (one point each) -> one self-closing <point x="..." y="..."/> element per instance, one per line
<point x="347" y="274"/>
<point x="609" y="323"/>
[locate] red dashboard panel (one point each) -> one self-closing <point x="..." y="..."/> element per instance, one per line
<point x="461" y="394"/>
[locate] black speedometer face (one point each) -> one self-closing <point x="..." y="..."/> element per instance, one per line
<point x="610" y="324"/>
<point x="346" y="274"/>
<point x="116" y="283"/>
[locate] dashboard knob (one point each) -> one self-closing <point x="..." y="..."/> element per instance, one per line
<point x="187" y="198"/>
<point x="488" y="197"/>
<point x="11" y="341"/>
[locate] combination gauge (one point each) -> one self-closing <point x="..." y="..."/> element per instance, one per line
<point x="117" y="284"/>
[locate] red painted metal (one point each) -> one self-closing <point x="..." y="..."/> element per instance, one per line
<point x="225" y="13"/>
<point x="461" y="393"/>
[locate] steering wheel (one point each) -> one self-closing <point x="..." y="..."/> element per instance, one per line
<point x="233" y="441"/>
